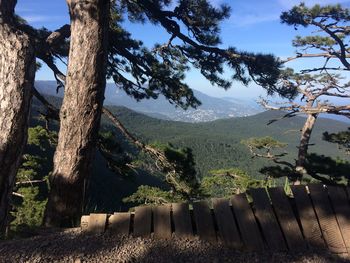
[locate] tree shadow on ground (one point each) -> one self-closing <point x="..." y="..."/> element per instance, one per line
<point x="72" y="245"/>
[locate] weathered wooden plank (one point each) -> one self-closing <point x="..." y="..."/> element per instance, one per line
<point x="308" y="219"/>
<point x="287" y="220"/>
<point x="182" y="220"/>
<point x="119" y="223"/>
<point x="143" y="221"/>
<point x="97" y="223"/>
<point x="162" y="221"/>
<point x="84" y="222"/>
<point x="204" y="221"/>
<point x="247" y="224"/>
<point x="264" y="213"/>
<point x="341" y="208"/>
<point x="228" y="231"/>
<point x="327" y="220"/>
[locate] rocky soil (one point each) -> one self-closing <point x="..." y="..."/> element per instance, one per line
<point x="74" y="246"/>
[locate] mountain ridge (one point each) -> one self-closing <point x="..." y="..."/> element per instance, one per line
<point x="212" y="108"/>
<point x="215" y="145"/>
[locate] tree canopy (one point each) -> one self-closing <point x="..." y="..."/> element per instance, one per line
<point x="331" y="38"/>
<point x="314" y="87"/>
<point x="146" y="73"/>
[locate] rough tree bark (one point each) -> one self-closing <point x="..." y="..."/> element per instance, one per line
<point x="17" y="71"/>
<point x="81" y="109"/>
<point x="304" y="142"/>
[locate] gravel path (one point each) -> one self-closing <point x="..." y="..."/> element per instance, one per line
<point x="74" y="246"/>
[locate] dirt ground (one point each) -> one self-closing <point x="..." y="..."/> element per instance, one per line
<point x="75" y="246"/>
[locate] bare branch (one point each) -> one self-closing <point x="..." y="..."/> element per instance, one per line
<point x="317" y="55"/>
<point x="323" y="69"/>
<point x="53" y="112"/>
<point x="343" y="51"/>
<point x="30" y="182"/>
<point x="17" y="194"/>
<point x="162" y="162"/>
<point x="121" y="127"/>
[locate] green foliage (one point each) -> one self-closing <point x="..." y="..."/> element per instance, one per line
<point x="118" y="160"/>
<point x="30" y="168"/>
<point x="42" y="138"/>
<point x="214" y="145"/>
<point x="305" y="16"/>
<point x="29" y="213"/>
<point x="340" y="138"/>
<point x="194" y="36"/>
<point x="221" y="183"/>
<point x="319" y="167"/>
<point x="38" y="65"/>
<point x="316" y="41"/>
<point x="333" y="170"/>
<point x="226" y="182"/>
<point x="217" y="144"/>
<point x="313" y="86"/>
<point x="32" y="180"/>
<point x="183" y="180"/>
<point x="266" y="147"/>
<point x="330" y="37"/>
<point x="184" y="165"/>
<point x="278" y="171"/>
<point x="149" y="195"/>
<point x="266" y="142"/>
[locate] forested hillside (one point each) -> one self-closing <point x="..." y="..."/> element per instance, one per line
<point x="215" y="145"/>
<point x="218" y="144"/>
<point x="117" y="121"/>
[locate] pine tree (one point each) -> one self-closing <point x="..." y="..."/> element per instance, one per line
<point x="81" y="109"/>
<point x="227" y="182"/>
<point x="340" y="138"/>
<point x="315" y="86"/>
<point x="16" y="81"/>
<point x="31" y="187"/>
<point x="141" y="72"/>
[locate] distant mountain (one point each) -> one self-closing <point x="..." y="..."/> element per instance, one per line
<point x="335" y="117"/>
<point x="211" y="108"/>
<point x="48" y="87"/>
<point x="248" y="102"/>
<point x="215" y="145"/>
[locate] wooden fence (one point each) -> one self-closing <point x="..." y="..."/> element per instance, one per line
<point x="314" y="216"/>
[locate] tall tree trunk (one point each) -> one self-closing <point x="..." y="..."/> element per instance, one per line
<point x="304" y="143"/>
<point x="17" y="71"/>
<point x="81" y="109"/>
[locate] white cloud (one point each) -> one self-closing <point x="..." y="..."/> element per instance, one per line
<point x="290" y="3"/>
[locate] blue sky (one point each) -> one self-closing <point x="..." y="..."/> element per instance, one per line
<point x="253" y="26"/>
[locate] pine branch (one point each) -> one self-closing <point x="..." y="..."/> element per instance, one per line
<point x="121" y="127"/>
<point x="343" y="50"/>
<point x="161" y="160"/>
